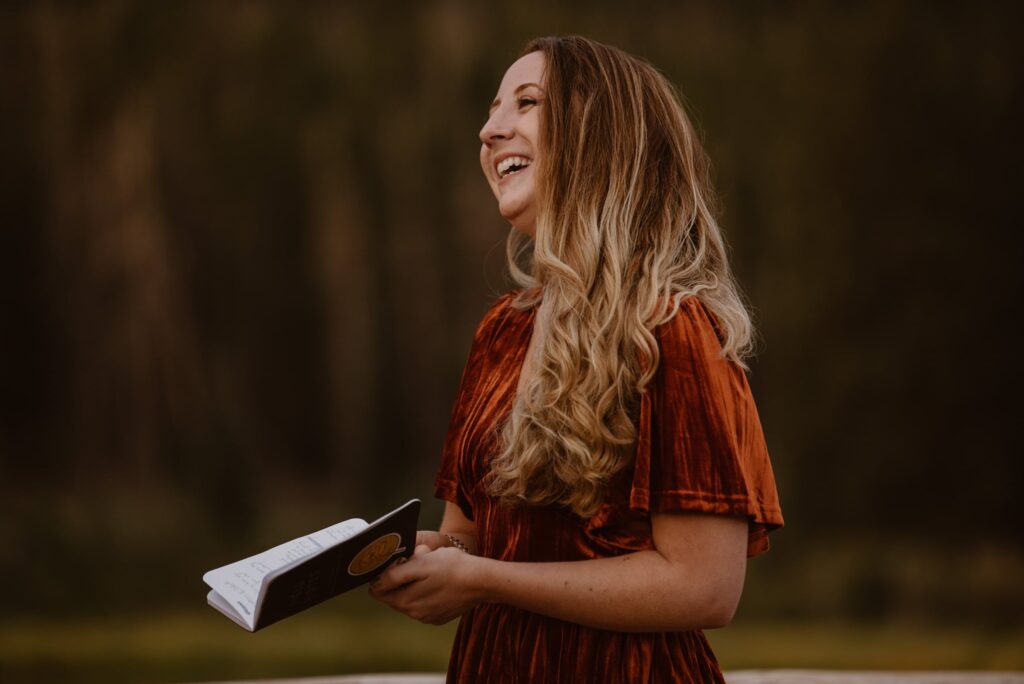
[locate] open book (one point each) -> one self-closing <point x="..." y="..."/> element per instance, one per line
<point x="262" y="589"/>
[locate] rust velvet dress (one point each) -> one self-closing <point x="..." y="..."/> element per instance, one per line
<point x="699" y="448"/>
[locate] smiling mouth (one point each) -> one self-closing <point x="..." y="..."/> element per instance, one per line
<point x="511" y="165"/>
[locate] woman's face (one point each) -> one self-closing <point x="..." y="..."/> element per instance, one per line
<point x="510" y="141"/>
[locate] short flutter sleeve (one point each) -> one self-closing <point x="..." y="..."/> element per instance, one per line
<point x="700" y="446"/>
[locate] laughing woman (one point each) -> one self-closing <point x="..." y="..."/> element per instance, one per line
<point x="605" y="469"/>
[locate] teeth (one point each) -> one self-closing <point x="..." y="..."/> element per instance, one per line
<point x="505" y="164"/>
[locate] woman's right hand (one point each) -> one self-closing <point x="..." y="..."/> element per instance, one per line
<point x="432" y="586"/>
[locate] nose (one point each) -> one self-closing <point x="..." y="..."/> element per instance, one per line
<point x="496" y="128"/>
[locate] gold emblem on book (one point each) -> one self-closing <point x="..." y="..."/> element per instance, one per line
<point x="375" y="554"/>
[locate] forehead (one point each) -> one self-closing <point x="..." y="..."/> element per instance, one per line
<point x="527" y="69"/>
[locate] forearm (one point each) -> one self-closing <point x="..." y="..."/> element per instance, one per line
<point x="638" y="592"/>
<point x="692" y="579"/>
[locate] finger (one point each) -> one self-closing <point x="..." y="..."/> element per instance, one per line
<point x="392" y="595"/>
<point x="374" y="590"/>
<point x="383" y="582"/>
<point x="405" y="600"/>
<point x="383" y="586"/>
<point x="399" y="574"/>
<point x="421" y="549"/>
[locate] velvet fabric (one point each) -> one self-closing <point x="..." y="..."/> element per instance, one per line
<point x="699" y="448"/>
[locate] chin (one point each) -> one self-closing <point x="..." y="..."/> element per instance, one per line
<point x="521" y="219"/>
<point x="516" y="211"/>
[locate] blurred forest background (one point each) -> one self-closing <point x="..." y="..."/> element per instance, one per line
<point x="245" y="246"/>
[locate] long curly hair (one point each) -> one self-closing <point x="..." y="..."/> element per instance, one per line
<point x="625" y="230"/>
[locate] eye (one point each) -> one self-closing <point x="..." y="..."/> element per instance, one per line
<point x="526" y="102"/>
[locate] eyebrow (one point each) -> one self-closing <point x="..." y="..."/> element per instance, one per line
<point x="497" y="101"/>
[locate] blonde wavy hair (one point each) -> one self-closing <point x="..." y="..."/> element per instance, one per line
<point x="626" y="229"/>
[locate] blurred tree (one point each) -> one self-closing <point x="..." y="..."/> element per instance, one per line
<point x="246" y="246"/>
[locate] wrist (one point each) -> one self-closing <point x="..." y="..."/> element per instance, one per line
<point x="479" y="577"/>
<point x="453" y="541"/>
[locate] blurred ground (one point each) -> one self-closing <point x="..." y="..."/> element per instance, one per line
<point x="352" y="635"/>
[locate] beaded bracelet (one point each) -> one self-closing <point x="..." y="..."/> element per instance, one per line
<point x="456" y="543"/>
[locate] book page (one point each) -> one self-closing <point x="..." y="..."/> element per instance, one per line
<point x="239" y="583"/>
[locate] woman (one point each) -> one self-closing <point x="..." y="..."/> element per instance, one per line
<point x="605" y="470"/>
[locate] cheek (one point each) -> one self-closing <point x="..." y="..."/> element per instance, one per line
<point x="532" y="132"/>
<point x="485" y="168"/>
<point x="484" y="161"/>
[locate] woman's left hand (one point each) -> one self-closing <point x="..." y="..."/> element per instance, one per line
<point x="432" y="586"/>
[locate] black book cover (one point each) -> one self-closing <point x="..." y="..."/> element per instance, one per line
<point x="336" y="569"/>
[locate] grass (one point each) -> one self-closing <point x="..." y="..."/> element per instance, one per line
<point x="353" y="634"/>
<point x="203" y="645"/>
<point x="853" y="646"/>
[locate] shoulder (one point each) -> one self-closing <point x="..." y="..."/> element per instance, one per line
<point x="690" y="336"/>
<point x="497" y="317"/>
